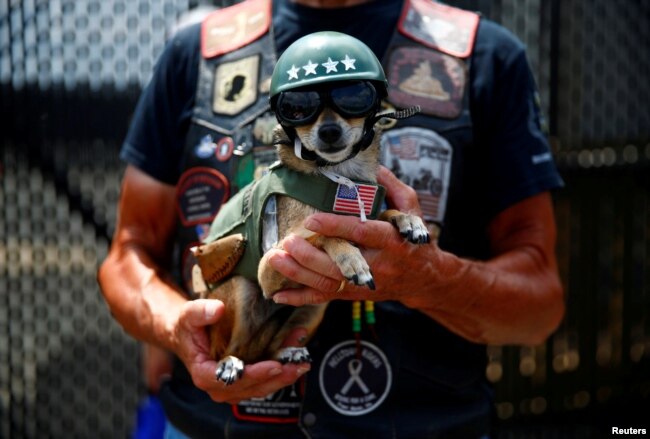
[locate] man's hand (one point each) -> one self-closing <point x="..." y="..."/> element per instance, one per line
<point x="393" y="260"/>
<point x="192" y="347"/>
<point x="513" y="298"/>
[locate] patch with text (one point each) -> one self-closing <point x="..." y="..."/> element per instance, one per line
<point x="355" y="383"/>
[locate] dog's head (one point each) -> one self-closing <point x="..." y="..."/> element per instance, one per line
<point x="331" y="122"/>
<point x="331" y="137"/>
<point x="326" y="90"/>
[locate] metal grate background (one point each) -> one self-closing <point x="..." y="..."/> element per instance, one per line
<point x="70" y="73"/>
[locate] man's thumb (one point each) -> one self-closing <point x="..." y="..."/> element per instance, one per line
<point x="203" y="312"/>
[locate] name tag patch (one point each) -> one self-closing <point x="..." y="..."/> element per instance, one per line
<point x="281" y="407"/>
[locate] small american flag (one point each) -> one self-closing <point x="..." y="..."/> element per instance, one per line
<point x="346" y="198"/>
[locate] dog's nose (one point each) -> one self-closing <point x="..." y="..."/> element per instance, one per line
<point x="330" y="133"/>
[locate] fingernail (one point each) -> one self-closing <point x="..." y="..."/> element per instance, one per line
<point x="301" y="371"/>
<point x="210" y="309"/>
<point x="312" y="224"/>
<point x="280" y="299"/>
<point x="275" y="371"/>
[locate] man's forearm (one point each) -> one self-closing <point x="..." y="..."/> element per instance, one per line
<point x="139" y="296"/>
<point x="515" y="298"/>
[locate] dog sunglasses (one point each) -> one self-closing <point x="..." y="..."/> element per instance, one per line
<point x="302" y="107"/>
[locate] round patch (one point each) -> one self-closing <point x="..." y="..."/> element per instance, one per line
<point x="200" y="193"/>
<point x="355" y="383"/>
<point x="224" y="148"/>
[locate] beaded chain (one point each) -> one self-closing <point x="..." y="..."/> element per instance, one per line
<point x="369" y="307"/>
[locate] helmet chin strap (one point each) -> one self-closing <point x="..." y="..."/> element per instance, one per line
<point x="365" y="141"/>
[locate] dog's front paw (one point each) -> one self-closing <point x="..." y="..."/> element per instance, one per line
<point x="229" y="370"/>
<point x="355" y="268"/>
<point x="412" y="228"/>
<point x="293" y="355"/>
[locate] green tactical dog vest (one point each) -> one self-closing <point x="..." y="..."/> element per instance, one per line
<point x="244" y="212"/>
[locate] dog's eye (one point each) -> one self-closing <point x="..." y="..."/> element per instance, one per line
<point x="354" y="99"/>
<point x="298" y="106"/>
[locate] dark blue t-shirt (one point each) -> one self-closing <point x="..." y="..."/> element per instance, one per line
<point x="505" y="113"/>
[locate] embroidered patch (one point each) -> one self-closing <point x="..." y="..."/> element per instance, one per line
<point x="282" y="406"/>
<point x="235" y="86"/>
<point x="430" y="79"/>
<point x="230" y="28"/>
<point x="347" y="198"/>
<point x="200" y="193"/>
<point x="205" y="148"/>
<point x="445" y="28"/>
<point x="422" y="159"/>
<point x="224" y="148"/>
<point x="355" y="385"/>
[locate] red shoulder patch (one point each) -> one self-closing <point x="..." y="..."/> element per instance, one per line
<point x="441" y="27"/>
<point x="235" y="26"/>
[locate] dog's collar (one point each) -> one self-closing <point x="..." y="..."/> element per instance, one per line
<point x="368" y="135"/>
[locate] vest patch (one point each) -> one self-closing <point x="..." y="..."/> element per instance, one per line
<point x="350" y="199"/>
<point x="444" y="28"/>
<point x="205" y="148"/>
<point x="224" y="148"/>
<point x="228" y="29"/>
<point x="235" y="86"/>
<point x="422" y="159"/>
<point x="200" y="192"/>
<point x="430" y="79"/>
<point x="352" y="384"/>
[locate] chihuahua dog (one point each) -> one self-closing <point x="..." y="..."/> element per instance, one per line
<point x="326" y="142"/>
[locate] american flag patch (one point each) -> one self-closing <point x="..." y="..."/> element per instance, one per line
<point x="346" y="198"/>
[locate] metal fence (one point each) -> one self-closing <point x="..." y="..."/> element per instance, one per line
<point x="70" y="73"/>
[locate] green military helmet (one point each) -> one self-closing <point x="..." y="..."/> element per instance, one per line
<point x="324" y="57"/>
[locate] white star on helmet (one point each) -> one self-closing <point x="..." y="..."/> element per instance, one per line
<point x="310" y="68"/>
<point x="330" y="65"/>
<point x="349" y="63"/>
<point x="293" y="72"/>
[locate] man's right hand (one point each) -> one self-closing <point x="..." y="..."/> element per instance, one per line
<point x="192" y="346"/>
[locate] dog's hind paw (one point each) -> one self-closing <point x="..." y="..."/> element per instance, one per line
<point x="293" y="355"/>
<point x="229" y="370"/>
<point x="412" y="228"/>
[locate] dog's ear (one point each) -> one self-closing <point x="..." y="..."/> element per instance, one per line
<point x="280" y="137"/>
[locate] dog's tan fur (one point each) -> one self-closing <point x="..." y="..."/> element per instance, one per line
<point x="253" y="327"/>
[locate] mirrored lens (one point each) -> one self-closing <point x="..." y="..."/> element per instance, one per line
<point x="355" y="99"/>
<point x="298" y="106"/>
